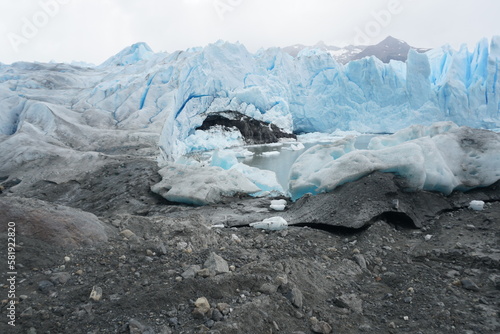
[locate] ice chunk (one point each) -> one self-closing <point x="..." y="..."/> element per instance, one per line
<point x="278" y="204"/>
<point x="274" y="224"/>
<point x="270" y="153"/>
<point x="476" y="205"/>
<point x="264" y="179"/>
<point x="201" y="185"/>
<point x="224" y="159"/>
<point x="297" y="147"/>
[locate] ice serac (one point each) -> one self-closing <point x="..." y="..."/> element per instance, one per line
<point x="130" y="55"/>
<point x="442" y="158"/>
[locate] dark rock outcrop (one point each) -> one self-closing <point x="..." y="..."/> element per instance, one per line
<point x="380" y="196"/>
<point x="252" y="130"/>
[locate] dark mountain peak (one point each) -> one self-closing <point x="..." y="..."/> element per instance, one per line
<point x="389" y="49"/>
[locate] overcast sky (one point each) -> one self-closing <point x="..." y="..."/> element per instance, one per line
<point x="93" y="30"/>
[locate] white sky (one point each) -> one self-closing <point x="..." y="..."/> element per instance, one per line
<point x="93" y="30"/>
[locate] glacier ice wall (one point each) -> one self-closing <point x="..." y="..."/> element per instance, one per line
<point x="170" y="94"/>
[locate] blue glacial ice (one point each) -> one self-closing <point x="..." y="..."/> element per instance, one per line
<point x="156" y="102"/>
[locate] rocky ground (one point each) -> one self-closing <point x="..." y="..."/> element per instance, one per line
<point x="149" y="266"/>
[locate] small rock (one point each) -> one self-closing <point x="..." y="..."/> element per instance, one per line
<point x="96" y="293"/>
<point x="204" y="273"/>
<point x="268" y="288"/>
<point x="224" y="308"/>
<point x="320" y="327"/>
<point x="452" y="274"/>
<point x="67" y="259"/>
<point x="60" y="278"/>
<point x="161" y="248"/>
<point x="27" y="313"/>
<point x="191" y="272"/>
<point x="428" y="237"/>
<point x="295" y="297"/>
<point x="360" y="260"/>
<point x="469" y="285"/>
<point x="128" y="234"/>
<point x="217" y="315"/>
<point x="135" y="327"/>
<point x="281" y="280"/>
<point x="392" y="325"/>
<point x="79" y="272"/>
<point x="45" y="286"/>
<point x="202" y="307"/>
<point x="365" y="328"/>
<point x="350" y="301"/>
<point x="216" y="264"/>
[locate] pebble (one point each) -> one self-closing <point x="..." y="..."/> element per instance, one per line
<point x="191" y="272"/>
<point x="360" y="260"/>
<point x="224" y="308"/>
<point x="217" y="315"/>
<point x="295" y="296"/>
<point x="127" y="234"/>
<point x="216" y="264"/>
<point x="204" y="273"/>
<point x="202" y="307"/>
<point x="60" y="278"/>
<point x="96" y="293"/>
<point x="27" y="313"/>
<point x="45" y="286"/>
<point x="135" y="327"/>
<point x="320" y="327"/>
<point x="268" y="288"/>
<point x="469" y="285"/>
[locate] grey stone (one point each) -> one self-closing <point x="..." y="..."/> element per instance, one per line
<point x="295" y="296"/>
<point x="217" y="315"/>
<point x="216" y="264"/>
<point x="320" y="327"/>
<point x="60" y="278"/>
<point x="350" y="301"/>
<point x="135" y="327"/>
<point x="45" y="286"/>
<point x="360" y="260"/>
<point x="469" y="285"/>
<point x="268" y="288"/>
<point x="191" y="272"/>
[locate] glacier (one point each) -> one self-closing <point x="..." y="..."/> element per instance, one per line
<point x="151" y="104"/>
<point x="442" y="157"/>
